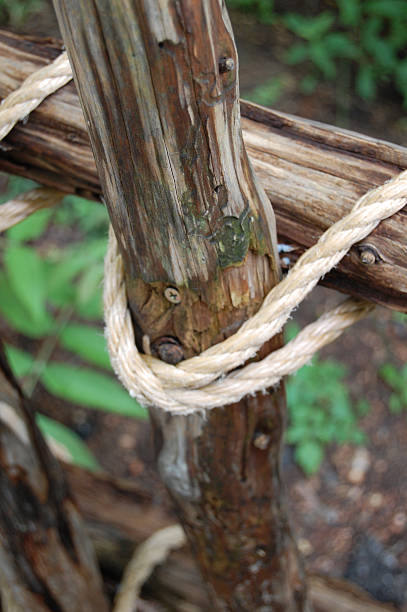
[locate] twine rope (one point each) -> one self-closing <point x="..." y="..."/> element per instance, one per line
<point x="207" y="381"/>
<point x="19" y="104"/>
<point x="146" y="557"/>
<point x="204" y="382"/>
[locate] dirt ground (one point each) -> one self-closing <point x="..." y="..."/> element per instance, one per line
<point x="350" y="518"/>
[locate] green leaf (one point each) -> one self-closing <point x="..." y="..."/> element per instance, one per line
<point x="88" y="342"/>
<point x="18" y="317"/>
<point x="77" y="450"/>
<point x="15" y="186"/>
<point x="90" y="388"/>
<point x="20" y="361"/>
<point x="395" y="404"/>
<point x="26" y="275"/>
<point x="268" y="93"/>
<point x="340" y="45"/>
<point x="309" y="455"/>
<point x="350" y="12"/>
<point x="308" y="84"/>
<point x="318" y="52"/>
<point x="392" y="9"/>
<point x="32" y="227"/>
<point x="391" y="376"/>
<point x="366" y="82"/>
<point x="310" y="28"/>
<point x="297" y="53"/>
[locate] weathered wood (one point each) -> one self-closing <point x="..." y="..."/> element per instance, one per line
<point x="311" y="172"/>
<point x="46" y="560"/>
<point x="120" y="515"/>
<point x="158" y="85"/>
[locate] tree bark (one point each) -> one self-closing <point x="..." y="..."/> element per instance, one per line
<point x="46" y="560"/>
<point x="159" y="89"/>
<point x="312" y="173"/>
<point x="111" y="509"/>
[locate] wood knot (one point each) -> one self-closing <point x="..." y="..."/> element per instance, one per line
<point x="226" y="64"/>
<point x="368" y="255"/>
<point x="168" y="349"/>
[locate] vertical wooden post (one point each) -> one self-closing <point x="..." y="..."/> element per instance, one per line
<point x="158" y="82"/>
<point x="46" y="560"/>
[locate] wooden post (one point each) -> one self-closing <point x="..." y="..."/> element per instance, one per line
<point x="46" y="560"/>
<point x="159" y="88"/>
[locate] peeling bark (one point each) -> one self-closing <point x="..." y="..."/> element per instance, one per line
<point x="46" y="560"/>
<point x="311" y="172"/>
<point x="159" y="89"/>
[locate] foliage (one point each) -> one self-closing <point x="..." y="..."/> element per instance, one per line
<point x="50" y="290"/>
<point x="269" y="92"/>
<point x="262" y="9"/>
<point x="397" y="381"/>
<point x="320" y="411"/>
<point x="363" y="41"/>
<point x="77" y="451"/>
<point x="16" y="12"/>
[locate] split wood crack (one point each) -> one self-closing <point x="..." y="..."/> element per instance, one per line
<point x="207" y="380"/>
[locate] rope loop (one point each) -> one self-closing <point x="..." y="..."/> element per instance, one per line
<point x="207" y="381"/>
<point x="215" y="377"/>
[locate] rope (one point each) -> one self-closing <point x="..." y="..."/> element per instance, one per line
<point x="207" y="381"/>
<point x="19" y="104"/>
<point x="150" y="553"/>
<point x="175" y="388"/>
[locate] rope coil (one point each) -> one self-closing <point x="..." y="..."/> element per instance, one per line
<point x="207" y="381"/>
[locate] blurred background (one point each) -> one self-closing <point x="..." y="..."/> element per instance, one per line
<point x="342" y="62"/>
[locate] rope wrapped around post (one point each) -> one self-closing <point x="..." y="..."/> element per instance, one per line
<point x="207" y="380"/>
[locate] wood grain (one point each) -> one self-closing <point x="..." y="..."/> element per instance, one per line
<point x="311" y="172"/>
<point x="188" y="212"/>
<point x="46" y="561"/>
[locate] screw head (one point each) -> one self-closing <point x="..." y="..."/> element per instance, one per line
<point x="368" y="255"/>
<point x="168" y="349"/>
<point x="226" y="64"/>
<point x="261" y="440"/>
<point x="172" y="295"/>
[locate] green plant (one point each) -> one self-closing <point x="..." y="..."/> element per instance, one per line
<point x="358" y="43"/>
<point x="397" y="381"/>
<point x="262" y="9"/>
<point x="269" y="92"/>
<point x="364" y="38"/>
<point x="16" y="12"/>
<point x="320" y="411"/>
<point x="51" y="292"/>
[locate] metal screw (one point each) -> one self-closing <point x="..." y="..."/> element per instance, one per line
<point x="172" y="295"/>
<point x="368" y="255"/>
<point x="261" y="440"/>
<point x="168" y="349"/>
<point x="226" y="64"/>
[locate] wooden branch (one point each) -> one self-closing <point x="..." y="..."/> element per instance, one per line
<point x="120" y="515"/>
<point x="158" y="85"/>
<point x="311" y="172"/>
<point x="46" y="561"/>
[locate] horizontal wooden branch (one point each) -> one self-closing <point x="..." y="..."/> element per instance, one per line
<point x="312" y="173"/>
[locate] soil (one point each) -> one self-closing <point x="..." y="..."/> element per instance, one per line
<point x="351" y="517"/>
